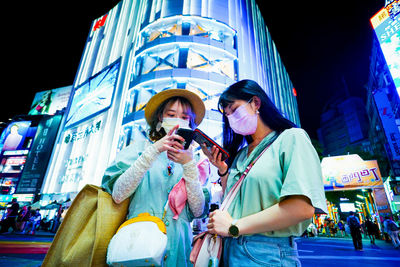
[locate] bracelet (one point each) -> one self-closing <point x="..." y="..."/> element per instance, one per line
<point x="223" y="174"/>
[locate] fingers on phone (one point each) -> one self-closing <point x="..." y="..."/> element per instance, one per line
<point x="177" y="145"/>
<point x="215" y="153"/>
<point x="219" y="157"/>
<point x="179" y="138"/>
<point x="173" y="129"/>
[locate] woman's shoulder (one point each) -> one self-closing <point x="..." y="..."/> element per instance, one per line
<point x="131" y="152"/>
<point x="294" y="136"/>
<point x="294" y="133"/>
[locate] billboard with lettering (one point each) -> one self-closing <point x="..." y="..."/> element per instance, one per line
<point x="15" y="144"/>
<point x="80" y="156"/>
<point x="387" y="28"/>
<point x="381" y="202"/>
<point x="38" y="158"/>
<point x="93" y="96"/>
<point x="350" y="172"/>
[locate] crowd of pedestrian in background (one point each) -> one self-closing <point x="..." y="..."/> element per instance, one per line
<point x="24" y="220"/>
<point x="352" y="227"/>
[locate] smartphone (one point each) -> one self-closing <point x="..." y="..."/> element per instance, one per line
<point x="187" y="134"/>
<point x="202" y="138"/>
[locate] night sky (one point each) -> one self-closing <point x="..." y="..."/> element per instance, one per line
<point x="323" y="44"/>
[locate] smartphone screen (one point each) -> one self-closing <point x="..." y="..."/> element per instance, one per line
<point x="202" y="138"/>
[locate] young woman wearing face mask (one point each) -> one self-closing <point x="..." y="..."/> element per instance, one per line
<point x="280" y="193"/>
<point x="149" y="173"/>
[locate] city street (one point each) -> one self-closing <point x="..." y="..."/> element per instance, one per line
<point x="29" y="251"/>
<point x="339" y="252"/>
<point x="19" y="250"/>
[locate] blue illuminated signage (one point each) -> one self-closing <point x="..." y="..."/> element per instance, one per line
<point x="94" y="96"/>
<point x="387" y="28"/>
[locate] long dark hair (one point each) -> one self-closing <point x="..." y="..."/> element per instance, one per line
<point x="269" y="114"/>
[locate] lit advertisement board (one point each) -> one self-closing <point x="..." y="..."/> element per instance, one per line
<point x="93" y="96"/>
<point x="381" y="202"/>
<point x="350" y="172"/>
<point x="80" y="156"/>
<point x="10" y="170"/>
<point x="37" y="161"/>
<point x="387" y="28"/>
<point x="347" y="207"/>
<point x="389" y="124"/>
<point x="17" y="136"/>
<point x="49" y="101"/>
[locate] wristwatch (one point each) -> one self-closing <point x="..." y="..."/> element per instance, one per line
<point x="233" y="229"/>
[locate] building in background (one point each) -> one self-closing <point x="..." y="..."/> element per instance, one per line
<point x="26" y="145"/>
<point x="386" y="24"/>
<point x="344" y="127"/>
<point x="383" y="102"/>
<point x="140" y="48"/>
<point x="383" y="90"/>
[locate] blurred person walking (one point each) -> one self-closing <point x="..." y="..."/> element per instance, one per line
<point x="355" y="231"/>
<point x="393" y="231"/>
<point x="10" y="220"/>
<point x="371" y="230"/>
<point x="341" y="228"/>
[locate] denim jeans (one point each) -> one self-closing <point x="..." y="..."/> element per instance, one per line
<point x="259" y="250"/>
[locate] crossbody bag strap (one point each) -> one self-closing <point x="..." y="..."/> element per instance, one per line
<point x="235" y="188"/>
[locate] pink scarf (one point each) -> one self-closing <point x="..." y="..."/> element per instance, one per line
<point x="178" y="195"/>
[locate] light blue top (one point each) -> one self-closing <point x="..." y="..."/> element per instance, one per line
<point x="151" y="196"/>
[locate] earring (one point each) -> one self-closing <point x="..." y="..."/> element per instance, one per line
<point x="158" y="126"/>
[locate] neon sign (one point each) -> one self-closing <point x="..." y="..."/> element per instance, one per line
<point x="100" y="23"/>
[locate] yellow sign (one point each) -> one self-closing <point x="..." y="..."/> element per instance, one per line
<point x="379" y="17"/>
<point x="350" y="172"/>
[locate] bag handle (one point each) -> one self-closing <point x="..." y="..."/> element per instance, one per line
<point x="235" y="189"/>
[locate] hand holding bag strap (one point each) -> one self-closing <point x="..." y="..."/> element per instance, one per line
<point x="235" y="189"/>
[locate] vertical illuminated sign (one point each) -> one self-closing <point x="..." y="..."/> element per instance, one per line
<point x="36" y="164"/>
<point x="387" y="28"/>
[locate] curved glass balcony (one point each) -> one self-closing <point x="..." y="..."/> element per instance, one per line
<point x="187" y="25"/>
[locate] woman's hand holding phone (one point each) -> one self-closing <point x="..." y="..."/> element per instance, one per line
<point x="170" y="142"/>
<point x="183" y="156"/>
<point x="215" y="157"/>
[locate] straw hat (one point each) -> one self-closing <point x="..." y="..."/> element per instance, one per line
<point x="156" y="100"/>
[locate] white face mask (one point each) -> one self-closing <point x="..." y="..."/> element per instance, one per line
<point x="169" y="123"/>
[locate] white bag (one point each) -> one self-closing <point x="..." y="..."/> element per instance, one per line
<point x="140" y="241"/>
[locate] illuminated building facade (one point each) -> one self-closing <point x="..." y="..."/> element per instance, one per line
<point x="383" y="87"/>
<point x="140" y="48"/>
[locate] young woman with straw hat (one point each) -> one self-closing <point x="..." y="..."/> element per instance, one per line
<point x="150" y="175"/>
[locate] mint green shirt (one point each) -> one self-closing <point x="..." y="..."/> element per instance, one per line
<point x="290" y="166"/>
